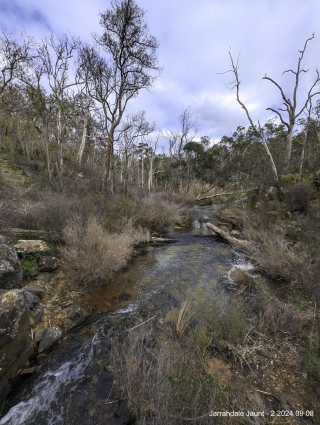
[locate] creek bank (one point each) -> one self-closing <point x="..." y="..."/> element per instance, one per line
<point x="31" y="321"/>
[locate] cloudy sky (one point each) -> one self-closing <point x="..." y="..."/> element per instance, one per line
<point x="194" y="37"/>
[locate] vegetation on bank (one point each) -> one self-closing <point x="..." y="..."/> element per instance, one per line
<point x="98" y="187"/>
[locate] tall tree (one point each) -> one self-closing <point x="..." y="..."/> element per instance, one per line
<point x="258" y="129"/>
<point x="56" y="55"/>
<point x="290" y="105"/>
<point x="130" y="66"/>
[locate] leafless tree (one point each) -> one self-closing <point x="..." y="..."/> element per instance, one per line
<point x="306" y="125"/>
<point x="290" y="105"/>
<point x="178" y="139"/>
<point x="56" y="55"/>
<point x="13" y="58"/>
<point x="235" y="84"/>
<point x="135" y="127"/>
<point x="85" y="81"/>
<point x="152" y="142"/>
<point x="129" y="67"/>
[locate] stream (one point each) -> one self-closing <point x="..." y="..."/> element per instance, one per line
<point x="75" y="385"/>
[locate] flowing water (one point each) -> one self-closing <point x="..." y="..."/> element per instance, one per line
<point x="75" y="384"/>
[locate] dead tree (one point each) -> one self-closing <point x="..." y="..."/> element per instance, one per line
<point x="290" y="105"/>
<point x="257" y="128"/>
<point x="56" y="55"/>
<point x="134" y="127"/>
<point x="306" y="130"/>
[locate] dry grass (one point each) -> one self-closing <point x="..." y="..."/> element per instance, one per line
<point x="282" y="321"/>
<point x="273" y="253"/>
<point x="157" y="213"/>
<point x="184" y="317"/>
<point x="243" y="279"/>
<point x="164" y="384"/>
<point x="91" y="255"/>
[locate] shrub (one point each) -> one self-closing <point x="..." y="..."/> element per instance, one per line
<point x="273" y="253"/>
<point x="157" y="213"/>
<point x="299" y="196"/>
<point x="91" y="253"/>
<point x="165" y="383"/>
<point x="282" y="321"/>
<point x="227" y="320"/>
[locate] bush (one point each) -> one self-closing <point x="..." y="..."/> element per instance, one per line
<point x="299" y="196"/>
<point x="165" y="383"/>
<point x="157" y="213"/>
<point x="273" y="253"/>
<point x="227" y="320"/>
<point x="92" y="254"/>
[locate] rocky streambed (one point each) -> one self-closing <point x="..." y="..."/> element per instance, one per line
<point x="75" y="381"/>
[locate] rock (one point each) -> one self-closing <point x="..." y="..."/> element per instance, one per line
<point x="5" y="388"/>
<point x="10" y="266"/>
<point x="67" y="304"/>
<point x="31" y="299"/>
<point x="38" y="334"/>
<point x="28" y="371"/>
<point x="47" y="264"/>
<point x="124" y="296"/>
<point x="16" y="344"/>
<point x="50" y="337"/>
<point x="41" y="358"/>
<point x="77" y="316"/>
<point x="38" y="314"/>
<point x="35" y="289"/>
<point x="31" y="246"/>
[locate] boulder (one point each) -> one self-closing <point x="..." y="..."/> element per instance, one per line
<point x="35" y="289"/>
<point x="16" y="344"/>
<point x="75" y="317"/>
<point x="31" y="299"/>
<point x="47" y="264"/>
<point x="5" y="388"/>
<point x="38" y="334"/>
<point x="31" y="246"/>
<point x="10" y="266"/>
<point x="38" y="314"/>
<point x="50" y="337"/>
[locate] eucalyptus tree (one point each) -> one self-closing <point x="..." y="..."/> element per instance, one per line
<point x="134" y="129"/>
<point x="57" y="56"/>
<point x="129" y="66"/>
<point x="177" y="141"/>
<point x="14" y="57"/>
<point x="291" y="105"/>
<point x="257" y="128"/>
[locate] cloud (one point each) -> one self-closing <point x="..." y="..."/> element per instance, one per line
<point x="194" y="41"/>
<point x="22" y="15"/>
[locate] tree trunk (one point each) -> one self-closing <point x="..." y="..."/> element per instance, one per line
<point x="84" y="132"/>
<point x="106" y="174"/>
<point x="226" y="236"/>
<point x="287" y="158"/>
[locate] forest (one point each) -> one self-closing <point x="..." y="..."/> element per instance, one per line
<point x="102" y="185"/>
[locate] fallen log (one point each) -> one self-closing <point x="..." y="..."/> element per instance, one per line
<point x="224" y="235"/>
<point x="216" y="194"/>
<point x="39" y="234"/>
<point x="163" y="240"/>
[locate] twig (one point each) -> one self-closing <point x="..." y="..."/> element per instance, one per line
<point x="140" y="324"/>
<point x="263" y="392"/>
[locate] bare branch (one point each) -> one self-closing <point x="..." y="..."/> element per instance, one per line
<point x="279" y="115"/>
<point x="279" y="87"/>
